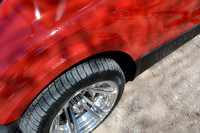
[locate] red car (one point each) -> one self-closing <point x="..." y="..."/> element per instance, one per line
<point x="64" y="63"/>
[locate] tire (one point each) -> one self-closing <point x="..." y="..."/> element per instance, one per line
<point x="48" y="105"/>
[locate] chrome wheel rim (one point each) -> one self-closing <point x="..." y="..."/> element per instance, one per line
<point x="86" y="109"/>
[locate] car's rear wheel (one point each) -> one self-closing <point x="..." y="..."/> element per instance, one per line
<point x="77" y="101"/>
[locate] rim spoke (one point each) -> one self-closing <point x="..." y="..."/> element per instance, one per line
<point x="92" y="104"/>
<point x="56" y="124"/>
<point x="68" y="119"/>
<point x="92" y="112"/>
<point x="104" y="91"/>
<point x="92" y="93"/>
<point x="74" y="121"/>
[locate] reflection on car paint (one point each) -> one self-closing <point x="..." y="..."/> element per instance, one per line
<point x="41" y="39"/>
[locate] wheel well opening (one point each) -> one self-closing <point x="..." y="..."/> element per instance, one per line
<point x="124" y="60"/>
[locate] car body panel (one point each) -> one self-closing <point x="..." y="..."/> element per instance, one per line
<point x="41" y="39"/>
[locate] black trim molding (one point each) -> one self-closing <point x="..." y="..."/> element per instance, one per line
<point x="159" y="53"/>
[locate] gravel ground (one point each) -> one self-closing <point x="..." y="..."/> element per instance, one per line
<point x="163" y="99"/>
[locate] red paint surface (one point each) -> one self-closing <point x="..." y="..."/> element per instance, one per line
<point x="39" y="39"/>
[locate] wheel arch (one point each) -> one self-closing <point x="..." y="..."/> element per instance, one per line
<point x="124" y="60"/>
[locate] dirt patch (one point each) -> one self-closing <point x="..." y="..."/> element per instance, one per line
<point x="163" y="99"/>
